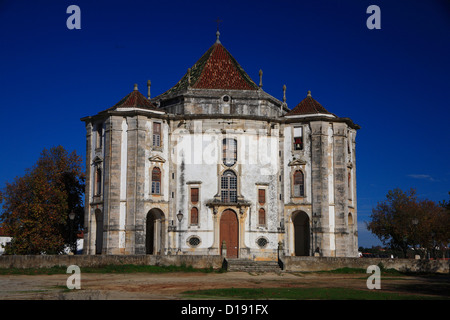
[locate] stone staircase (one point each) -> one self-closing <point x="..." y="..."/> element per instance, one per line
<point x="246" y="265"/>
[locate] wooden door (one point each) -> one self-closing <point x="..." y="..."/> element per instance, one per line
<point x="229" y="233"/>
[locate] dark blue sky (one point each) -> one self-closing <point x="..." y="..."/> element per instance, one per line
<point x="393" y="82"/>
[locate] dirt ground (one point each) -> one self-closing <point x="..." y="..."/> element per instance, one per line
<point x="169" y="286"/>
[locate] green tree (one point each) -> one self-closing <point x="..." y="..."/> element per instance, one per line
<point x="36" y="206"/>
<point x="442" y="227"/>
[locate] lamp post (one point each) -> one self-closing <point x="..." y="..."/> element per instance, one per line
<point x="179" y="217"/>
<point x="71" y="218"/>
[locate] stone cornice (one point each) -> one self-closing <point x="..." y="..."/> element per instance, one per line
<point x="177" y="117"/>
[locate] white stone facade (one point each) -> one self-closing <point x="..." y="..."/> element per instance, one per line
<point x="129" y="210"/>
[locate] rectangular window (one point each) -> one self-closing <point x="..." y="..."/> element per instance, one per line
<point x="194" y="195"/>
<point x="98" y="182"/>
<point x="262" y="196"/>
<point x="299" y="184"/>
<point x="156" y="187"/>
<point x="99" y="136"/>
<point x="156" y="134"/>
<point x="298" y="138"/>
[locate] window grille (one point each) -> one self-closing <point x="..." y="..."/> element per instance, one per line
<point x="262" y="242"/>
<point x="229" y="187"/>
<point x="194" y="241"/>
<point x="156" y="180"/>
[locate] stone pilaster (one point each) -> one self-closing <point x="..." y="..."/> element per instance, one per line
<point x="354" y="235"/>
<point x="130" y="224"/>
<point x="111" y="183"/>
<point x="89" y="245"/>
<point x="142" y="141"/>
<point x="340" y="188"/>
<point x="135" y="217"/>
<point x="319" y="184"/>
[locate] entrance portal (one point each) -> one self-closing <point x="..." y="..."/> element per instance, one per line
<point x="229" y="232"/>
<point x="301" y="233"/>
<point x="98" y="231"/>
<point x="153" y="232"/>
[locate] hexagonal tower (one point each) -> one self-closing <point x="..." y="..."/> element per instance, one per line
<point x="320" y="159"/>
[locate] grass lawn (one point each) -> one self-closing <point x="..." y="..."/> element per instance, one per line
<point x="300" y="294"/>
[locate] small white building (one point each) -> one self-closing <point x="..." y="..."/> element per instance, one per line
<point x="4" y="239"/>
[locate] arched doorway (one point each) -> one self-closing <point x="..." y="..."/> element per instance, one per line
<point x="98" y="231"/>
<point x="229" y="232"/>
<point x="153" y="231"/>
<point x="301" y="233"/>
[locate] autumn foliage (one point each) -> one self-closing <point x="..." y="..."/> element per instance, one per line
<point x="403" y="221"/>
<point x="36" y="205"/>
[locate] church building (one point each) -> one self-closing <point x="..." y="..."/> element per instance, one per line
<point x="217" y="166"/>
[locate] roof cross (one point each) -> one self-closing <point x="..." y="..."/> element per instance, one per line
<point x="218" y="21"/>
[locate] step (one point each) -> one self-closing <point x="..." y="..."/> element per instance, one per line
<point x="246" y="265"/>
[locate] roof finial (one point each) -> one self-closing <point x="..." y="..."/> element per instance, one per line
<point x="217" y="36"/>
<point x="260" y="78"/>
<point x="309" y="93"/>
<point x="284" y="93"/>
<point x="149" y="83"/>
<point x="218" y="33"/>
<point x="135" y="87"/>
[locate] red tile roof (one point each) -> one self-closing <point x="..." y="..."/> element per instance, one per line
<point x="221" y="71"/>
<point x="216" y="69"/>
<point x="308" y="106"/>
<point x="135" y="99"/>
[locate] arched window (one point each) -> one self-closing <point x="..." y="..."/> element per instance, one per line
<point x="262" y="216"/>
<point x="156" y="181"/>
<point x="194" y="215"/>
<point x="229" y="152"/>
<point x="299" y="184"/>
<point x="229" y="186"/>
